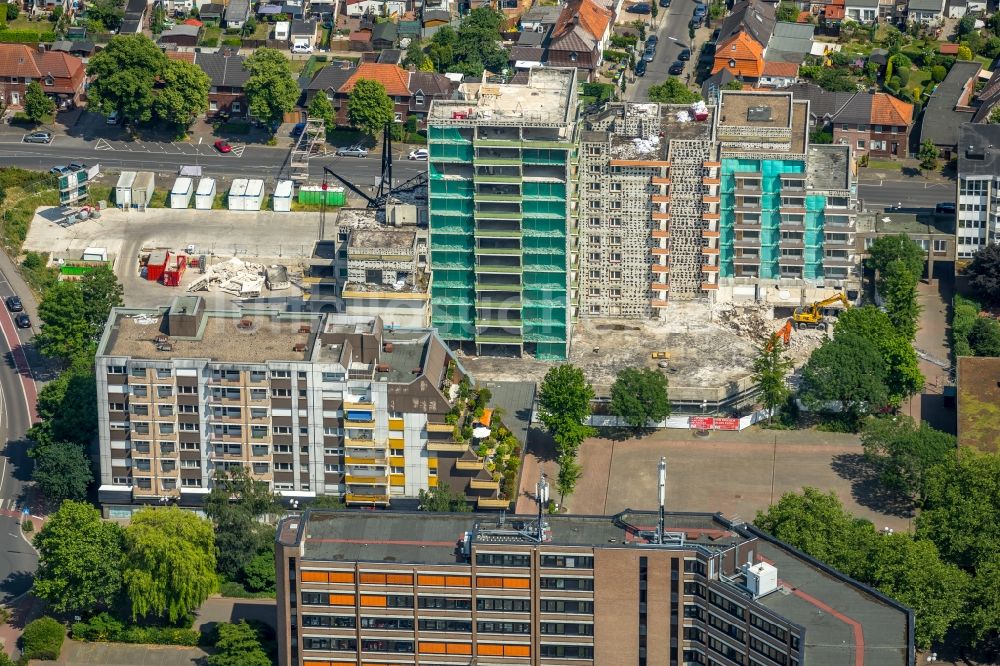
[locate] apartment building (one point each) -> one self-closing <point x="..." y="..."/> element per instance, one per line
<point x="313" y="404"/>
<point x="729" y="203"/>
<point x="978" y="208"/>
<point x="502" y="223"/>
<point x="634" y="588"/>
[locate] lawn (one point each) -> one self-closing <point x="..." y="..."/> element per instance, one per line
<point x="22" y="23"/>
<point x="210" y="37"/>
<point x="262" y="31"/>
<point x="888" y="165"/>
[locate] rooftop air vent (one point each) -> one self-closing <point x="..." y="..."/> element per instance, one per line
<point x="759" y="113"/>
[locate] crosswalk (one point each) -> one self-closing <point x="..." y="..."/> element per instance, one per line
<point x="9" y="504"/>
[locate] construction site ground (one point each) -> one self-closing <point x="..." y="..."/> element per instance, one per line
<point x="262" y="237"/>
<point x="708" y="346"/>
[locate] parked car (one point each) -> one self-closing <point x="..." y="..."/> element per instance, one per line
<point x="60" y="170"/>
<point x="77" y="166"/>
<point x="112" y="118"/>
<point x="640" y="8"/>
<point x="640" y="68"/>
<point x="676" y="68"/>
<point x="653" y="41"/>
<point x="700" y="11"/>
<point x="223" y="146"/>
<point x="14" y="304"/>
<point x="22" y="321"/>
<point x="684" y="55"/>
<point x="418" y="154"/>
<point x="695" y="22"/>
<point x="298" y="129"/>
<point x="38" y="137"/>
<point x="649" y="54"/>
<point x="302" y="48"/>
<point x="664" y="3"/>
<point x="945" y="208"/>
<point x="352" y="151"/>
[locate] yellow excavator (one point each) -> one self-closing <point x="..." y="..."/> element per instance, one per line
<point x="811" y="316"/>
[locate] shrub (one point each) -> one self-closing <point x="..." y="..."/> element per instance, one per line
<point x="27" y="526"/>
<point x="107" y="628"/>
<point x="43" y="639"/>
<point x="26" y="36"/>
<point x="938" y="73"/>
<point x="232" y="41"/>
<point x="965" y="313"/>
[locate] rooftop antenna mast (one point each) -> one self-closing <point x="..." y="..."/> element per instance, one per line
<point x="542" y="494"/>
<point x="663" y="498"/>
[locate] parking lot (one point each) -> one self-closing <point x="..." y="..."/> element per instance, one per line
<point x="263" y="237"/>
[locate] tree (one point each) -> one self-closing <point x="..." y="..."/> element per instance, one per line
<point x="887" y="249"/>
<point x="369" y="108"/>
<point x="569" y="473"/>
<point x="984" y="273"/>
<point x="788" y="12"/>
<point x="928" y="153"/>
<point x="65" y="333"/>
<point x="672" y="91"/>
<point x="62" y="471"/>
<point x="271" y="89"/>
<point x="328" y="502"/>
<point x="984" y="337"/>
<point x="183" y="93"/>
<point x="966" y="25"/>
<point x="321" y="108"/>
<point x="899" y="289"/>
<point x="80" y="558"/>
<point x="158" y="20"/>
<point x="639" y="397"/>
<point x="902" y="367"/>
<point x="478" y="43"/>
<point x="911" y="572"/>
<point x="816" y="523"/>
<point x="982" y="619"/>
<point x="962" y="501"/>
<point x="414" y="53"/>
<point x="249" y="27"/>
<point x="442" y="48"/>
<point x="770" y="368"/>
<point x="238" y="645"/>
<point x="736" y="84"/>
<point x="67" y="407"/>
<point x="847" y="370"/>
<point x="169" y="566"/>
<point x="109" y="13"/>
<point x="994" y="118"/>
<point x="964" y="53"/>
<point x="902" y="453"/>
<point x="123" y="76"/>
<point x="101" y="292"/>
<point x="236" y="505"/>
<point x="258" y="573"/>
<point x="564" y="406"/>
<point x="43" y="639"/>
<point x="441" y="499"/>
<point x="37" y="104"/>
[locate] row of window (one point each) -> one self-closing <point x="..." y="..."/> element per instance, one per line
<point x="494" y="604"/>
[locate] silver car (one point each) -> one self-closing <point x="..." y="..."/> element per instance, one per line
<point x="38" y="137"/>
<point x="352" y="151"/>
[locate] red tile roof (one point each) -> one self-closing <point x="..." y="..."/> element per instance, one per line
<point x="59" y="64"/>
<point x="393" y="77"/>
<point x="192" y="21"/>
<point x="18" y="60"/>
<point x="591" y="17"/>
<point x="949" y="49"/>
<point x="780" y="69"/>
<point x="887" y="110"/>
<point x="360" y="36"/>
<point x="185" y="56"/>
<point x="745" y="52"/>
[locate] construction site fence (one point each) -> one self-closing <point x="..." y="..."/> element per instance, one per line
<point x="687" y="421"/>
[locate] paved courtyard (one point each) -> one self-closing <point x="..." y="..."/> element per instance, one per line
<point x="736" y="474"/>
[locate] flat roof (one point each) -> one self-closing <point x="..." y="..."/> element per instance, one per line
<point x="978" y="387"/>
<point x="229" y="336"/>
<point x="755" y="109"/>
<point x="181" y="186"/>
<point x="382" y="239"/>
<point x="544" y="99"/>
<point x="408" y="351"/>
<point x="829" y="167"/>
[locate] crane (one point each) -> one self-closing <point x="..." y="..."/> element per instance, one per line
<point x="811" y="316"/>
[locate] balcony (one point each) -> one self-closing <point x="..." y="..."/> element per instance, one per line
<point x="657" y="268"/>
<point x="661" y="251"/>
<point x="747" y="241"/>
<point x="710" y="250"/>
<point x="500" y="338"/>
<point x="660" y="198"/>
<point x="448" y="447"/>
<point x="358" y="460"/>
<point x="440" y="427"/>
<point x="483" y="484"/>
<point x="659" y="286"/>
<point x="658" y="303"/>
<point x="395" y="424"/>
<point x="661" y="233"/>
<point x="658" y="164"/>
<point x="709" y="286"/>
<point x="366" y="499"/>
<point x="709" y="234"/>
<point x="363" y="425"/>
<point x="366" y="480"/>
<point x="746" y="259"/>
<point x="475" y="465"/>
<point x="791" y="260"/>
<point x="657" y="180"/>
<point x="792" y="242"/>
<point x="709" y="268"/>
<point x="710" y="216"/>
<point x="838" y="261"/>
<point x="355" y="443"/>
<point x="661" y="216"/>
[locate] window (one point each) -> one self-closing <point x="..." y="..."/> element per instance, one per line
<point x="503" y="560"/>
<point x="460" y="626"/>
<point x="566" y="606"/>
<point x="726" y="651"/>
<point x="504" y="627"/>
<point x="566" y="629"/>
<point x="333" y="621"/>
<point x="213" y="105"/>
<point x="549" y="583"/>
<point x="446" y="603"/>
<point x="387" y="623"/>
<point x="191" y="483"/>
<point x="725" y="604"/>
<point x="940" y="245"/>
<point x="398" y="647"/>
<point x="596" y="187"/>
<point x="281" y="374"/>
<point x="568" y="561"/>
<point x="498" y="604"/>
<point x="567" y="651"/>
<point x="311" y="643"/>
<point x="861" y="144"/>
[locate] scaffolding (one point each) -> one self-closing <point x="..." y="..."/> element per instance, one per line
<point x="311" y="142"/>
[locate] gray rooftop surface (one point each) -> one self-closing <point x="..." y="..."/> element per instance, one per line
<point x="791" y="41"/>
<point x="408" y="351"/>
<point x="941" y="119"/>
<point x="979" y="150"/>
<point x="516" y="399"/>
<point x="828" y="167"/>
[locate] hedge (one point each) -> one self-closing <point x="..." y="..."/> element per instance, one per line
<point x="105" y="628"/>
<point x="965" y="313"/>
<point x="26" y="36"/>
<point x="43" y="639"/>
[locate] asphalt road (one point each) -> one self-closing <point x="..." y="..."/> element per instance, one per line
<point x="914" y="194"/>
<point x="671" y="26"/>
<point x="167" y="158"/>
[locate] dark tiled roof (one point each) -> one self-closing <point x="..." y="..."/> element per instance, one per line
<point x="385" y="32"/>
<point x="237" y="10"/>
<point x="978" y="149"/>
<point x="941" y="119"/>
<point x="301" y="28"/>
<point x="135" y="8"/>
<point x="223" y="70"/>
<point x="212" y="9"/>
<point x="822" y="103"/>
<point x="332" y="76"/>
<point x="130" y="27"/>
<point x="988" y="98"/>
<point x="529" y="53"/>
<point x="755" y="17"/>
<point x="389" y="57"/>
<point x="713" y="84"/>
<point x="857" y="111"/>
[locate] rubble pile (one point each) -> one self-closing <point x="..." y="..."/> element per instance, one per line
<point x="751" y="322"/>
<point x="235" y="277"/>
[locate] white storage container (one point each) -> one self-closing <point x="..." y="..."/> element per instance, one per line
<point x="253" y="198"/>
<point x="283" y="193"/>
<point x="123" y="189"/>
<point x="204" y="196"/>
<point x="237" y="194"/>
<point x="180" y="195"/>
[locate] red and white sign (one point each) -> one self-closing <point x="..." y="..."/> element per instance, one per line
<point x="701" y="422"/>
<point x="726" y="423"/>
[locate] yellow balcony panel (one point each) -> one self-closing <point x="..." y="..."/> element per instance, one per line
<point x="366" y="480"/>
<point x="657" y="180"/>
<point x="397" y="479"/>
<point x="469" y="465"/>
<point x="395" y="424"/>
<point x="447" y="447"/>
<point x="397" y="461"/>
<point x="492" y="503"/>
<point x="439" y="427"/>
<point x="432" y="463"/>
<point x="354" y="443"/>
<point x="356" y="460"/>
<point x="364" y="499"/>
<point x="482" y="484"/>
<point x="364" y="406"/>
<point x="658" y="302"/>
<point x="367" y="425"/>
<point x="396" y="442"/>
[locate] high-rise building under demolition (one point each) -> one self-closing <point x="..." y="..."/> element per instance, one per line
<point x="727" y="202"/>
<point x="501" y="187"/>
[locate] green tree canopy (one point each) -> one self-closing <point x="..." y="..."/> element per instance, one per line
<point x="984" y="272"/>
<point x="238" y="645"/>
<point x="37" y="104"/>
<point x="68" y="407"/>
<point x="887" y="249"/>
<point x="65" y="332"/>
<point x="899" y="289"/>
<point x="369" y="108"/>
<point x="477" y="45"/>
<point x="982" y="620"/>
<point x="984" y="337"/>
<point x="236" y="505"/>
<point x="928" y="152"/>
<point x="62" y="471"/>
<point x="321" y="108"/>
<point x="101" y="292"/>
<point x="442" y="499"/>
<point x="902" y="367"/>
<point x="788" y="12"/>
<point x="259" y="573"/>
<point x="672" y="91"/>
<point x="770" y="368"/>
<point x="182" y="95"/>
<point x="169" y="563"/>
<point x="564" y="400"/>
<point x="639" y="397"/>
<point x="902" y="453"/>
<point x="123" y="76"/>
<point x="271" y="89"/>
<point x="80" y="558"/>
<point x="847" y="370"/>
<point x="109" y="13"/>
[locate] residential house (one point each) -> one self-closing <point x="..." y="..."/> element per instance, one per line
<point x="743" y="39"/>
<point x="875" y="124"/>
<point x="409" y="30"/>
<point x="181" y="35"/>
<point x="949" y="106"/>
<point x="360" y="40"/>
<point x="228" y="76"/>
<point x="81" y="48"/>
<point x="778" y="74"/>
<point x="61" y="75"/>
<point x="267" y="11"/>
<point x="43" y="6"/>
<point x="237" y="13"/>
<point x="530" y="49"/>
<point x="384" y="35"/>
<point x="425" y="87"/>
<point x="713" y="85"/>
<point x="412" y="92"/>
<point x="925" y="11"/>
<point x="211" y="11"/>
<point x="935" y="234"/>
<point x="130" y="27"/>
<point x="303" y="33"/>
<point x="388" y="56"/>
<point x="282" y="30"/>
<point x="790" y="42"/>
<point x="135" y="17"/>
<point x="578" y="37"/>
<point x="358" y="8"/>
<point x="432" y="19"/>
<point x="989" y="96"/>
<point x="540" y="18"/>
<point x="393" y="77"/>
<point x="328" y="80"/>
<point x="294" y="9"/>
<point x="861" y="11"/>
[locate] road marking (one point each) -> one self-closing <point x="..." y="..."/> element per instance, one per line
<point x="102" y="144"/>
<point x="3" y="470"/>
<point x="21" y="361"/>
<point x="238" y="149"/>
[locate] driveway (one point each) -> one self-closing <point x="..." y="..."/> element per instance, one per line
<point x="935" y="353"/>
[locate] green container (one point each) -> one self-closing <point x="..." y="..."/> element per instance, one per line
<point x="313" y="195"/>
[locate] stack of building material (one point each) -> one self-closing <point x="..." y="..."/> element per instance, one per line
<point x="235" y="277"/>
